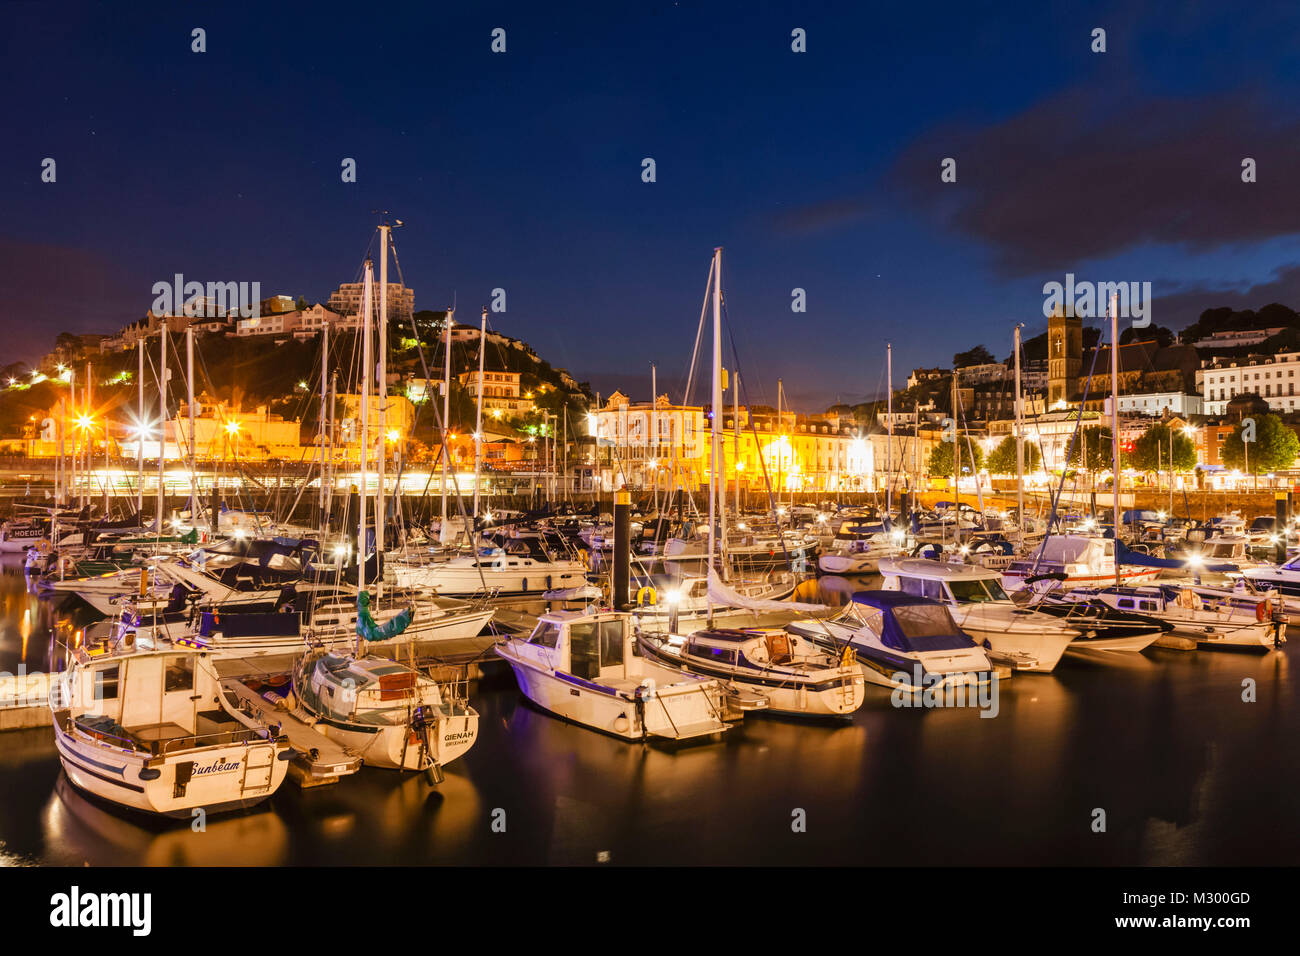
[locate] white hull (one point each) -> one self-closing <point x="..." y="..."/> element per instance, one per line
<point x="223" y="777"/>
<point x="391" y="747"/>
<point x="1041" y="649"/>
<point x="454" y="580"/>
<point x="667" y="714"/>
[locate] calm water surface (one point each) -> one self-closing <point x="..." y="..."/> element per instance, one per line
<point x="1186" y="772"/>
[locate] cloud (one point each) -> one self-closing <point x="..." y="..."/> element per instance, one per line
<point x="1071" y="179"/>
<point x="1179" y="309"/>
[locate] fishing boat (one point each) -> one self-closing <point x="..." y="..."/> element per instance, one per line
<point x="390" y="714"/>
<point x="1209" y="622"/>
<point x="585" y="667"/>
<point x="902" y="642"/>
<point x="795" y="674"/>
<point x="150" y="727"/>
<point x="1021" y="637"/>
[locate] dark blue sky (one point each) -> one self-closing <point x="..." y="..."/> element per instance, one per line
<point x="817" y="170"/>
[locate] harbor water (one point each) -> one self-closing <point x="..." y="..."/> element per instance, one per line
<point x="1188" y="758"/>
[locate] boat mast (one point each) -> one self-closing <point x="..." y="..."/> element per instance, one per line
<point x="1020" y="447"/>
<point x="381" y="513"/>
<point x="446" y="422"/>
<point x="365" y="424"/>
<point x="1114" y="419"/>
<point x="324" y="418"/>
<point x="735" y="398"/>
<point x="715" y="429"/>
<point x="162" y="416"/>
<point x="189" y="380"/>
<point x="889" y="424"/>
<point x="956" y="463"/>
<point x="478" y="411"/>
<point x="140" y="432"/>
<point x="780" y="450"/>
<point x="654" y="431"/>
<point x="72" y="456"/>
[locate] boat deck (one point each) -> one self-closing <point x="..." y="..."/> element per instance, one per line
<point x="318" y="760"/>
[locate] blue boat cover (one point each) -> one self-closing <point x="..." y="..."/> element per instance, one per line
<point x="914" y="624"/>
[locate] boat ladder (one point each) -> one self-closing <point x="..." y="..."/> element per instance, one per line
<point x="259" y="763"/>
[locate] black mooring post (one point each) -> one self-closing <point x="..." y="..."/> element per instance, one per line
<point x="1282" y="527"/>
<point x="622" y="550"/>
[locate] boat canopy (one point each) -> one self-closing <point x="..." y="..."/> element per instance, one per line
<point x="914" y="624"/>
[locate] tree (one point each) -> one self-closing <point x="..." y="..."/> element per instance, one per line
<point x="1274" y="448"/>
<point x="979" y="355"/>
<point x="1002" y="460"/>
<point x="1163" y="337"/>
<point x="941" y="459"/>
<point x="1151" y="451"/>
<point x="1097" y="443"/>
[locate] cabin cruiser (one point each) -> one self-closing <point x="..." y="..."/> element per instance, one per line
<point x="1099" y="626"/>
<point x="522" y="566"/>
<point x="149" y="726"/>
<point x="1078" y="560"/>
<point x="1209" y="621"/>
<point x="1283" y="578"/>
<point x="1023" y="638"/>
<point x="388" y="713"/>
<point x="794" y="674"/>
<point x="857" y="549"/>
<point x="585" y="667"/>
<point x="902" y="642"/>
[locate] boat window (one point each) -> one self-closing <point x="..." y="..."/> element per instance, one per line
<point x="584" y="650"/>
<point x="923" y="587"/>
<point x="976" y="591"/>
<point x="106" y="684"/>
<point x="179" y="674"/>
<point x="1125" y="604"/>
<point x="546" y="634"/>
<point x="611" y="643"/>
<point x="924" y="620"/>
<point x="722" y="655"/>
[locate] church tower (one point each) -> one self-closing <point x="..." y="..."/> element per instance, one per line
<point x="1064" y="356"/>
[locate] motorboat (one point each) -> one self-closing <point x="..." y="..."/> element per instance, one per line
<point x="390" y="714"/>
<point x="1284" y="578"/>
<point x="1017" y="636"/>
<point x="584" y="666"/>
<point x="1099" y="626"/>
<point x="1077" y="560"/>
<point x="796" y="675"/>
<point x="521" y="567"/>
<point x="1209" y="621"/>
<point x="902" y="642"/>
<point x="149" y="726"/>
<point x="856" y="550"/>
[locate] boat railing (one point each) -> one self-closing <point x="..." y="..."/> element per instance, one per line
<point x="244" y="735"/>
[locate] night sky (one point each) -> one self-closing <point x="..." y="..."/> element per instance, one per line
<point x="522" y="170"/>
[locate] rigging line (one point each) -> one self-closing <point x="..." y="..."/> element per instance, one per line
<point x="744" y="388"/>
<point x="1052" y="518"/>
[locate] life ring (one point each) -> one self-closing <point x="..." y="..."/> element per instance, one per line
<point x="1264" y="609"/>
<point x="647" y="595"/>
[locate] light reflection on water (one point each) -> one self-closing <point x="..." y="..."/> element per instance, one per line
<point x="1186" y="772"/>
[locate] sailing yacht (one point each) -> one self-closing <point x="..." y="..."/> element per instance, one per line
<point x="390" y="714"/>
<point x="522" y="566"/>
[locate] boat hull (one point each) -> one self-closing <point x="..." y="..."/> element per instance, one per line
<point x="221" y="778"/>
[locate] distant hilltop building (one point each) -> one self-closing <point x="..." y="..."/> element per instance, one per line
<point x="1236" y="339"/>
<point x="346" y="300"/>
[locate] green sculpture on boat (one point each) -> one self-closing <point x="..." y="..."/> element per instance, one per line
<point x="369" y="629"/>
